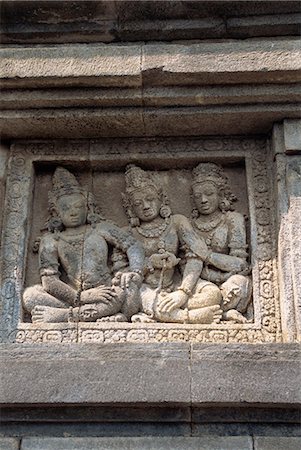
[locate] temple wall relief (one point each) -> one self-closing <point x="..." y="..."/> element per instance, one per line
<point x="140" y="241"/>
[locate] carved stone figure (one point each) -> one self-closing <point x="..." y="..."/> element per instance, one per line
<point x="167" y="294"/>
<point x="76" y="279"/>
<point x="224" y="232"/>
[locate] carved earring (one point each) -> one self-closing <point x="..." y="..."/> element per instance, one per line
<point x="195" y="213"/>
<point x="165" y="210"/>
<point x="134" y="221"/>
<point x="224" y="205"/>
<point x="55" y="224"/>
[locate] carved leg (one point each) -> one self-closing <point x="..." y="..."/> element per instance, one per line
<point x="36" y="296"/>
<point x="204" y="305"/>
<point x="234" y="315"/>
<point x="132" y="303"/>
<point x="207" y="314"/>
<point x="100" y="302"/>
<point x="205" y="294"/>
<point x="47" y="314"/>
<point x="148" y="298"/>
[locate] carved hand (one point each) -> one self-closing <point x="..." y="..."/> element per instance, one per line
<point x="172" y="301"/>
<point x="105" y="295"/>
<point x="167" y="260"/>
<point x="124" y="279"/>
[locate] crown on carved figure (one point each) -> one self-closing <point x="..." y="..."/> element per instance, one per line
<point x="137" y="179"/>
<point x="208" y="172"/>
<point x="64" y="183"/>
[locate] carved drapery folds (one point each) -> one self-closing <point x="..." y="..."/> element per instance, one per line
<point x="201" y="269"/>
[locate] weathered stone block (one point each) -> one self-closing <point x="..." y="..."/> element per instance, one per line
<point x="82" y="65"/>
<point x="245" y="374"/>
<point x="7" y="443"/>
<point x="277" y="443"/>
<point x="223" y="63"/>
<point x="83" y="373"/>
<point x="136" y="443"/>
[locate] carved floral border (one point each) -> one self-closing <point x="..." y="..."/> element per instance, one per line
<point x="16" y="228"/>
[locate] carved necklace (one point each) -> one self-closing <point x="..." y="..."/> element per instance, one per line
<point x="75" y="241"/>
<point x="211" y="225"/>
<point x="155" y="231"/>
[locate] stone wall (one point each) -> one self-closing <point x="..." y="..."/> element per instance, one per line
<point x="92" y="87"/>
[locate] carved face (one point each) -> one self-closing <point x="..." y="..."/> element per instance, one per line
<point x="231" y="293"/>
<point x="206" y="197"/>
<point x="72" y="210"/>
<point x="146" y="204"/>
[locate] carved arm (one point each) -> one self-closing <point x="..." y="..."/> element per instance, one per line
<point x="226" y="263"/>
<point x="60" y="290"/>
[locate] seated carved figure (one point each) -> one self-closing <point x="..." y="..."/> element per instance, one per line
<point x="225" y="234"/>
<point x="167" y="296"/>
<point x="73" y="259"/>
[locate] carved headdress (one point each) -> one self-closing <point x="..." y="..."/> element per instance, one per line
<point x="65" y="183"/>
<point x="209" y="172"/>
<point x="214" y="173"/>
<point x="137" y="179"/>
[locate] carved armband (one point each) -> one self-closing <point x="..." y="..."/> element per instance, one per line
<point x="185" y="290"/>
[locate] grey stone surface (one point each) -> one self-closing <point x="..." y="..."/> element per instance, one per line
<point x="78" y="97"/>
<point x="94" y="429"/>
<point x="7" y="443"/>
<point x="150" y="96"/>
<point x="73" y="122"/>
<point x="145" y="443"/>
<point x="246" y="428"/>
<point x="223" y="63"/>
<point x="79" y="374"/>
<point x="210" y="95"/>
<point x="4" y="152"/>
<point x="151" y="374"/>
<point x="109" y="21"/>
<point x="277" y="443"/>
<point x="270" y="25"/>
<point x="216" y="120"/>
<point x="79" y="123"/>
<point x="286" y="144"/>
<point x="96" y="65"/>
<point x="97" y="414"/>
<point x="160" y="64"/>
<point x="240" y="414"/>
<point x="251" y="374"/>
<point x="292" y="136"/>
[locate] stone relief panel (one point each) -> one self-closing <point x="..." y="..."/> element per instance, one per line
<point x="148" y="253"/>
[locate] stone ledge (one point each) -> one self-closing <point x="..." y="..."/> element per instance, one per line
<point x="150" y="96"/>
<point x="134" y="121"/>
<point x="91" y="374"/>
<point x="71" y="65"/>
<point x="109" y="21"/>
<point x="277" y="443"/>
<point x="240" y="374"/>
<point x="139" y="443"/>
<point x="151" y="374"/>
<point x="7" y="443"/>
<point x="113" y="65"/>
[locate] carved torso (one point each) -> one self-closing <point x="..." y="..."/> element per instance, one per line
<point x="82" y="259"/>
<point x="225" y="235"/>
<point x="168" y="241"/>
